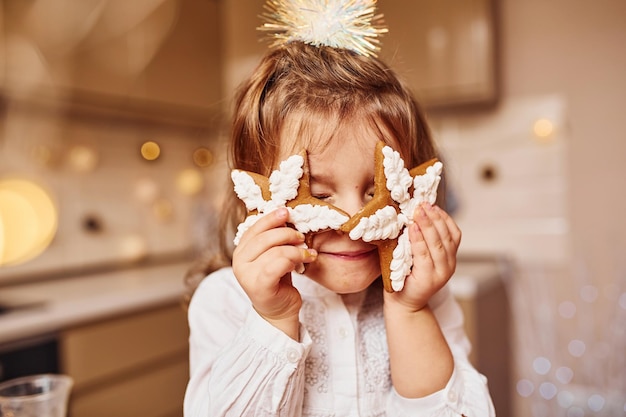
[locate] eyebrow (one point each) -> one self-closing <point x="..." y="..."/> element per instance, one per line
<point x="321" y="178"/>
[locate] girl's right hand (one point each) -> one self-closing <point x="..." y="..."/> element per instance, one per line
<point x="263" y="261"/>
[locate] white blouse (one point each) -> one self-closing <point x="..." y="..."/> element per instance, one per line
<point x="243" y="366"/>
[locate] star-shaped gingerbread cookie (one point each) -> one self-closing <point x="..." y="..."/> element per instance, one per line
<point x="288" y="186"/>
<point x="383" y="220"/>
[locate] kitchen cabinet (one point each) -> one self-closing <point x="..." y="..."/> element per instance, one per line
<point x="130" y="365"/>
<point x="145" y="60"/>
<point x="479" y="286"/>
<point x="446" y="50"/>
<point x="36" y="355"/>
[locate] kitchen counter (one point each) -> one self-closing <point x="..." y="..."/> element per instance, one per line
<point x="49" y="306"/>
<point x="46" y="307"/>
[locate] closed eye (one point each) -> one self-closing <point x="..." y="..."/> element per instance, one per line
<point x="322" y="196"/>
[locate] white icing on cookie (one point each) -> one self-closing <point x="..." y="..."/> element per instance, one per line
<point x="247" y="190"/>
<point x="311" y="218"/>
<point x="401" y="262"/>
<point x="284" y="181"/>
<point x="398" y="178"/>
<point x="426" y="185"/>
<point x="383" y="224"/>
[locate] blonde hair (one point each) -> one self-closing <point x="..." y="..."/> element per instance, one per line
<point x="314" y="89"/>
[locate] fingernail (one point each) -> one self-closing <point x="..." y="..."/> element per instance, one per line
<point x="300" y="236"/>
<point x="281" y="213"/>
<point x="309" y="254"/>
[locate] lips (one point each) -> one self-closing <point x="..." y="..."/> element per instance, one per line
<point x="350" y="255"/>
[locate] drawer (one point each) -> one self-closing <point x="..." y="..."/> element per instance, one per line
<point x="95" y="352"/>
<point x="156" y="393"/>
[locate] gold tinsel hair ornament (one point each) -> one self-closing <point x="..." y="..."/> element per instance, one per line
<point x="346" y="24"/>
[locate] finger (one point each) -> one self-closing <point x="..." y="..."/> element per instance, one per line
<point x="432" y="238"/>
<point x="276" y="218"/>
<point x="453" y="228"/>
<point x="279" y="261"/>
<point x="255" y="246"/>
<point x="419" y="248"/>
<point x="449" y="232"/>
<point x="442" y="223"/>
<point x="267" y="232"/>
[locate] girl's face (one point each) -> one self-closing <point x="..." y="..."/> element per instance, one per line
<point x="342" y="173"/>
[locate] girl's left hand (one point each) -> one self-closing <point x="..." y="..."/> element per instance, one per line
<point x="435" y="239"/>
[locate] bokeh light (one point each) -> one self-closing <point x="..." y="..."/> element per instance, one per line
<point x="543" y="129"/>
<point x="132" y="247"/>
<point x="189" y="182"/>
<point x="202" y="157"/>
<point x="596" y="402"/>
<point x="28" y="220"/>
<point x="576" y="348"/>
<point x="564" y="375"/>
<point x="541" y="365"/>
<point x="150" y="150"/>
<point x="547" y="390"/>
<point x="83" y="158"/>
<point x="565" y="398"/>
<point x="525" y="388"/>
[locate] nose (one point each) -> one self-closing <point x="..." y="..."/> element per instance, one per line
<point x="352" y="202"/>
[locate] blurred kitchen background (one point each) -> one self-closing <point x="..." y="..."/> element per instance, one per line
<point x="113" y="120"/>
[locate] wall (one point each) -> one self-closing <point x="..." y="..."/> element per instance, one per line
<point x="575" y="49"/>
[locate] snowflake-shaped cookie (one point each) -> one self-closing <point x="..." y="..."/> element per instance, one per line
<point x="288" y="186"/>
<point x="383" y="220"/>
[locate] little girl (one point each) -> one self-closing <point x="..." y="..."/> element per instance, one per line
<point x="267" y="341"/>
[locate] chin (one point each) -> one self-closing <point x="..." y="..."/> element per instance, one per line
<point x="343" y="280"/>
